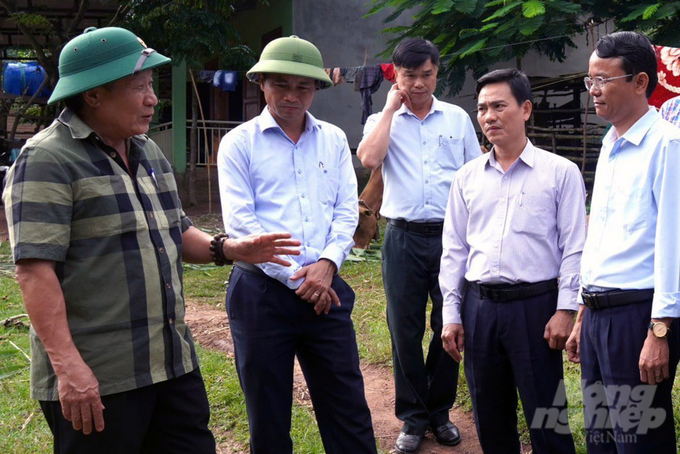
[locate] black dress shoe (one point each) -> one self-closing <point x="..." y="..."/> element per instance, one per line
<point x="447" y="434"/>
<point x="408" y="444"/>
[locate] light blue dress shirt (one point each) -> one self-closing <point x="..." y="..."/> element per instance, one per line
<point x="670" y="110"/>
<point x="527" y="224"/>
<point x="634" y="233"/>
<point x="308" y="188"/>
<point x="422" y="159"/>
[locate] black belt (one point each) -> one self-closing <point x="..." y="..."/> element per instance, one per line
<point x="510" y="292"/>
<point x="615" y="298"/>
<point x="423" y="228"/>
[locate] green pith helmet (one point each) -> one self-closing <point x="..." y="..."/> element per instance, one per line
<point x="98" y="57"/>
<point x="294" y="56"/>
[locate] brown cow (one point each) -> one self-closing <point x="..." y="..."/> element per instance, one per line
<point x="370" y="201"/>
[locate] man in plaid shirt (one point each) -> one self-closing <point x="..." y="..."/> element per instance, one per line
<point x="98" y="238"/>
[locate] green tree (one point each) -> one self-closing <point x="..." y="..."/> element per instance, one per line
<point x="474" y="34"/>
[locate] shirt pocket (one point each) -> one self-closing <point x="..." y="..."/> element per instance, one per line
<point x="104" y="206"/>
<point x="453" y="152"/>
<point x="328" y="180"/>
<point x="535" y="215"/>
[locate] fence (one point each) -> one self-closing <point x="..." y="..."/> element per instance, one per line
<point x="214" y="129"/>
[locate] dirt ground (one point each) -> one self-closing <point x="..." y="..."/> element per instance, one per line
<point x="210" y="328"/>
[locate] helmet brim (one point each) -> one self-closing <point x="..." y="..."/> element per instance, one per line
<point x="119" y="68"/>
<point x="290" y="68"/>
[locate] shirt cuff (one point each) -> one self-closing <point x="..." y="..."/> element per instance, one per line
<point x="334" y="254"/>
<point x="451" y="313"/>
<point x="283" y="274"/>
<point x="666" y="305"/>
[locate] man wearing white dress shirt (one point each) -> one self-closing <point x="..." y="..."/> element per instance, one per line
<point x="513" y="235"/>
<point x="287" y="171"/>
<point x="421" y="142"/>
<point x="626" y="335"/>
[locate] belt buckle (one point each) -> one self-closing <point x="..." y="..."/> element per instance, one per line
<point x="496" y="295"/>
<point x="592" y="299"/>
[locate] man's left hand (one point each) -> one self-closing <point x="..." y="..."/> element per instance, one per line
<point x="558" y="329"/>
<point x="654" y="360"/>
<point x="316" y="288"/>
<point x="261" y="248"/>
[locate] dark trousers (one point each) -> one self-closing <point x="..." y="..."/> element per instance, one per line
<point x="505" y="352"/>
<point x="425" y="388"/>
<point x="170" y="417"/>
<point x="621" y="416"/>
<point x="270" y="325"/>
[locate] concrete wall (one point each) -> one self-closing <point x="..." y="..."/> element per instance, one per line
<point x="344" y="39"/>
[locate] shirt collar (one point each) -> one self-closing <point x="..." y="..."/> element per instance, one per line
<point x="528" y="156"/>
<point x="637" y="132"/>
<point x="80" y="130"/>
<point x="267" y="121"/>
<point x="435" y="107"/>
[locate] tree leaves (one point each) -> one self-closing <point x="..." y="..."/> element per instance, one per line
<point x="473" y="35"/>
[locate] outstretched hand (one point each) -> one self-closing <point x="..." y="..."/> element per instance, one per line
<point x="261" y="248"/>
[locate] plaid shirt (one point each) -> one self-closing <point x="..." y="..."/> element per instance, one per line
<point x="670" y="110"/>
<point x="117" y="243"/>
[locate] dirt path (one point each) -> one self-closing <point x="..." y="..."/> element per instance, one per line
<point x="210" y="328"/>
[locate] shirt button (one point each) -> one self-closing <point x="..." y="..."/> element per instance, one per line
<point x="306" y="219"/>
<point x="424" y="143"/>
<point x="303" y="196"/>
<point x="427" y="202"/>
<point x="424" y="162"/>
<point x="171" y="321"/>
<point x="308" y="244"/>
<point x="161" y="250"/>
<point x="299" y="170"/>
<point x="150" y="215"/>
<point x="427" y="181"/>
<point x="168" y="286"/>
<point x="113" y="155"/>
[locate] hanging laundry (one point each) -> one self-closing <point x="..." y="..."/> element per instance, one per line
<point x="226" y="80"/>
<point x="206" y="76"/>
<point x="388" y="72"/>
<point x="352" y="74"/>
<point x="370" y="82"/>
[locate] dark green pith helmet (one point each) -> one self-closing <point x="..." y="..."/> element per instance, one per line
<point x="293" y="56"/>
<point x="100" y="56"/>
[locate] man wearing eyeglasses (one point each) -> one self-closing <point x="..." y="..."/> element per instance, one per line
<point x="626" y="336"/>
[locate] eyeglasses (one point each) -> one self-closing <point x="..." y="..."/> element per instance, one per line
<point x="599" y="82"/>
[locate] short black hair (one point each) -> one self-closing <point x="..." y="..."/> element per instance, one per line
<point x="636" y="52"/>
<point x="75" y="103"/>
<point x="518" y="81"/>
<point x="412" y="53"/>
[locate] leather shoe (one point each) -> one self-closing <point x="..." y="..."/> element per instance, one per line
<point x="408" y="444"/>
<point x="447" y="434"/>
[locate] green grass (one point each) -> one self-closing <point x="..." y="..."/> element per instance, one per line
<point x="23" y="429"/>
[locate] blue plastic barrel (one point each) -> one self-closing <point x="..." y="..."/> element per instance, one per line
<point x="24" y="78"/>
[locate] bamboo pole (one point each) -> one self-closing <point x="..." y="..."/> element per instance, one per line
<point x="205" y="137"/>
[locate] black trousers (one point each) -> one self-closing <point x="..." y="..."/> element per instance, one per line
<point x="425" y="388"/>
<point x="270" y="325"/>
<point x="623" y="415"/>
<point x="505" y="352"/>
<point x="170" y="417"/>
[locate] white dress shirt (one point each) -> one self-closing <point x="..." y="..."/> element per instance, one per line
<point x="524" y="225"/>
<point x="308" y="188"/>
<point x="634" y="232"/>
<point x="422" y="159"/>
